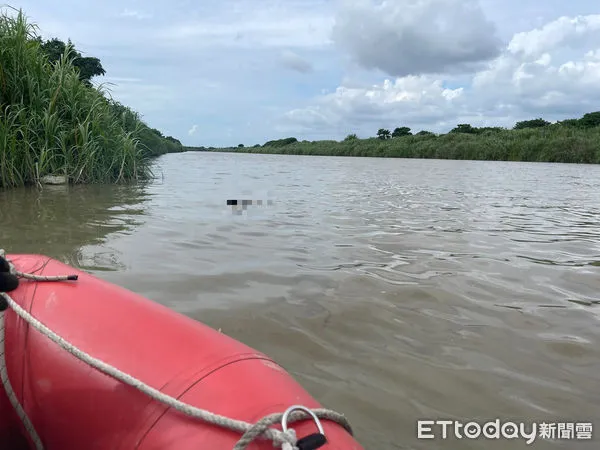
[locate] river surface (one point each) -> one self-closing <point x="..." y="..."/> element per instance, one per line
<point x="393" y="290"/>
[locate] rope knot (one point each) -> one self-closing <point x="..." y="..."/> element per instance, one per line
<point x="287" y="440"/>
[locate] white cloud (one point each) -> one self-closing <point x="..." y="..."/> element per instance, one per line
<point x="412" y="37"/>
<point x="553" y="68"/>
<point x="553" y="72"/>
<point x="565" y="32"/>
<point x="410" y="100"/>
<point x="192" y="130"/>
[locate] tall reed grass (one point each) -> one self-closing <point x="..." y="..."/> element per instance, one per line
<point x="53" y="124"/>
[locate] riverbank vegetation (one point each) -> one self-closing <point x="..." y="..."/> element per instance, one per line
<point x="54" y="122"/>
<point x="536" y="140"/>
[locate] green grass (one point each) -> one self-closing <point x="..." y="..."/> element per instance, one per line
<point x="53" y="124"/>
<point x="568" y="142"/>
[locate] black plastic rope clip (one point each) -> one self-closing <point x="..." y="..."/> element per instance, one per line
<point x="311" y="442"/>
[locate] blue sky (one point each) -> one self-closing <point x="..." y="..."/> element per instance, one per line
<point x="246" y="71"/>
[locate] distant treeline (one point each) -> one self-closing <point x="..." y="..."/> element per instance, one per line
<point x="54" y="122"/>
<point x="570" y="141"/>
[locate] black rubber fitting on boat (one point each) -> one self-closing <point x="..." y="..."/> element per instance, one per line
<point x="8" y="282"/>
<point x="311" y="442"/>
<point x="4" y="266"/>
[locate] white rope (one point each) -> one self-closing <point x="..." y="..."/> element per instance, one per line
<point x="11" y="393"/>
<point x="250" y="432"/>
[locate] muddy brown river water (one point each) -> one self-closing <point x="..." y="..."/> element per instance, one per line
<point x="393" y="290"/>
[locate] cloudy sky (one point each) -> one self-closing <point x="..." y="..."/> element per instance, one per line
<point x="245" y="71"/>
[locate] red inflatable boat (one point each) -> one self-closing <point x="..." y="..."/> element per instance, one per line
<point x="74" y="406"/>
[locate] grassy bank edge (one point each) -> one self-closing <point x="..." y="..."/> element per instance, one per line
<point x="562" y="143"/>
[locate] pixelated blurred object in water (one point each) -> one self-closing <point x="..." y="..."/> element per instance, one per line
<point x="239" y="206"/>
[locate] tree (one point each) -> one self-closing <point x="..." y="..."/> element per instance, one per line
<point x="240" y="145"/>
<point x="590" y="120"/>
<point x="280" y="142"/>
<point x="534" y="123"/>
<point x="570" y="123"/>
<point x="464" y="128"/>
<point x="488" y="130"/>
<point x="351" y="137"/>
<point x="89" y="67"/>
<point x="401" y="131"/>
<point x="425" y="133"/>
<point x="383" y="133"/>
<point x="173" y="140"/>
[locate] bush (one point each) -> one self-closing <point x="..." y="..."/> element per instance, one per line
<point x="53" y="123"/>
